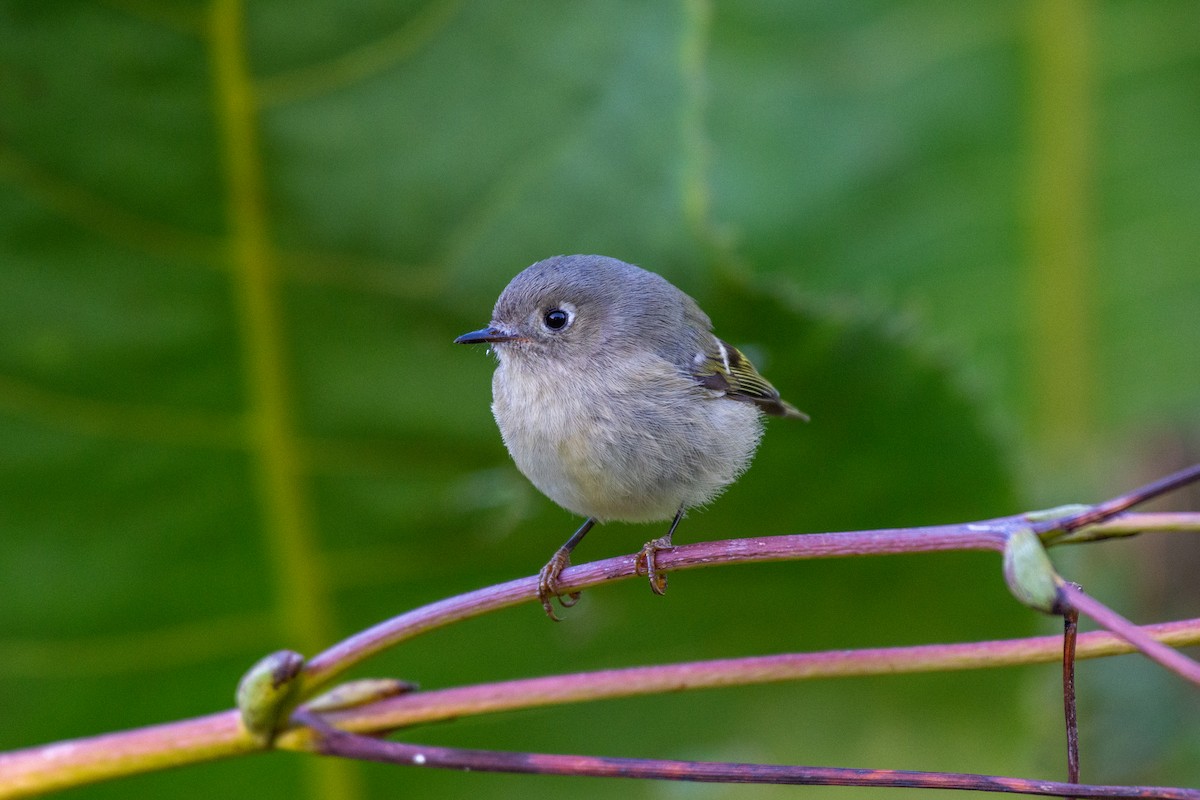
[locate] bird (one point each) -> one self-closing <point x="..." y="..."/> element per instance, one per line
<point x="616" y="400"/>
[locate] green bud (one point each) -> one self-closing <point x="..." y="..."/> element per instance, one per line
<point x="265" y="691"/>
<point x="1028" y="571"/>
<point x="359" y="693"/>
<point x="1058" y="512"/>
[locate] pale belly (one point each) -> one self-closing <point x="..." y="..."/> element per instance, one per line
<point x="628" y="456"/>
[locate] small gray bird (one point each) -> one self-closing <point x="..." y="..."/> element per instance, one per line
<point x="616" y="401"/>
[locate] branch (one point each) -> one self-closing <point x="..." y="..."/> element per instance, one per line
<point x="77" y="762"/>
<point x="1070" y="712"/>
<point x="986" y="535"/>
<point x="1173" y="660"/>
<point x="1132" y="525"/>
<point x="1113" y="507"/>
<point x="440" y="705"/>
<point x="41" y="769"/>
<point x="347" y="745"/>
<point x="324" y="667"/>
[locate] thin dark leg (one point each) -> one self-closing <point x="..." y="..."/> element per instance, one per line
<point x="548" y="577"/>
<point x="645" y="559"/>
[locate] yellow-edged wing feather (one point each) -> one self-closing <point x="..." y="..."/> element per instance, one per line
<point x="724" y="368"/>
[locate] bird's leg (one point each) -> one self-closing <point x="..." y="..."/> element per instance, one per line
<point x="645" y="560"/>
<point x="548" y="577"/>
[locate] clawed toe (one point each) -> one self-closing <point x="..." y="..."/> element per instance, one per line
<point x="548" y="584"/>
<point x="646" y="563"/>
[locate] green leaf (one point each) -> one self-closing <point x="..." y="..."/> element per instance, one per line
<point x="236" y="241"/>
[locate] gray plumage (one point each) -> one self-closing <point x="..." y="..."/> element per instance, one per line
<point x="612" y="394"/>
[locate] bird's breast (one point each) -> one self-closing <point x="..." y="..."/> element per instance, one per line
<point x="631" y="442"/>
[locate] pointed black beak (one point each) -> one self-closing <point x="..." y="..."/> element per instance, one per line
<point x="488" y="335"/>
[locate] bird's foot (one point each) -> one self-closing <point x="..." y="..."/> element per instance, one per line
<point x="645" y="564"/>
<point x="548" y="583"/>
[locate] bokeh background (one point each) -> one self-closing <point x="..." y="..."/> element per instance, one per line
<point x="237" y="239"/>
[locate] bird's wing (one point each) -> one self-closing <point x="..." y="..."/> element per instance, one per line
<point x="721" y="367"/>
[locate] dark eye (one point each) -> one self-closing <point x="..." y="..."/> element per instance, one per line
<point x="556" y="319"/>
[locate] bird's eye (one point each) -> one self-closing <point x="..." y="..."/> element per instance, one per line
<point x="556" y="319"/>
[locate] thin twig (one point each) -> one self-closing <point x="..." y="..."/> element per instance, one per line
<point x="72" y="763"/>
<point x="1132" y="524"/>
<point x="437" y="705"/>
<point x="1070" y="636"/>
<point x="1177" y="662"/>
<point x="1110" y="508"/>
<point x="984" y="535"/>
<point x="77" y="762"/>
<point x="987" y="535"/>
<point x="333" y="742"/>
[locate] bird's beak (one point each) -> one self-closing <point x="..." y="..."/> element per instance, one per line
<point x="489" y="335"/>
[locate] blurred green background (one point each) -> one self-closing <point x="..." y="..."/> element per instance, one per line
<point x="237" y="239"/>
